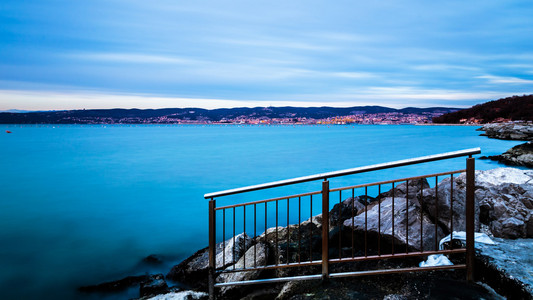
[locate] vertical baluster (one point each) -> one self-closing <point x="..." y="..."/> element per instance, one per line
<point x="310" y="228"/>
<point x="366" y="204"/>
<point x="255" y="234"/>
<point x="233" y="248"/>
<point x="277" y="249"/>
<point x="407" y="216"/>
<point x="392" y="244"/>
<point x="421" y="218"/>
<point x="339" y="223"/>
<point x="451" y="211"/>
<point x="223" y="237"/>
<point x="436" y="211"/>
<point x="299" y="232"/>
<point x="266" y="226"/>
<point x="353" y="206"/>
<point x="244" y="234"/>
<point x="288" y="231"/>
<point x="379" y="221"/>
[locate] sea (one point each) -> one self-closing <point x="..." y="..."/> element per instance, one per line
<point x="84" y="204"/>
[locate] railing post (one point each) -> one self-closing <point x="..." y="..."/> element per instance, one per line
<point x="325" y="229"/>
<point x="212" y="241"/>
<point x="470" y="207"/>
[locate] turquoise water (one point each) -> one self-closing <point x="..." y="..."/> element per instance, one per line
<point x="84" y="204"/>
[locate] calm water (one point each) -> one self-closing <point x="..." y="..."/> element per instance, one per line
<point x="84" y="204"/>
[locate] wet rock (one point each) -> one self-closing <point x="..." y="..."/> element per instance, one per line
<point x="154" y="285"/>
<point x="507" y="267"/>
<point x="193" y="270"/>
<point x="153" y="259"/>
<point x="115" y="286"/>
<point x="520" y="155"/>
<point x="407" y="216"/>
<point x="509" y="131"/>
<point x="256" y="255"/>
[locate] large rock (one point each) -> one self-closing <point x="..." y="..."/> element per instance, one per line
<point x="406" y="215"/>
<point x="256" y="255"/>
<point x="346" y="209"/>
<point x="154" y="285"/>
<point x="412" y="188"/>
<point x="194" y="270"/>
<point x="503" y="198"/>
<point x="443" y="201"/>
<point x="509" y="131"/>
<point x="520" y="155"/>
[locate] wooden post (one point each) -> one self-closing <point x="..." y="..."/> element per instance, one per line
<point x="325" y="229"/>
<point x="470" y="216"/>
<point x="212" y="241"/>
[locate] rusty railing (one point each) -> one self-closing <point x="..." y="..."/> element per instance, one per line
<point x="294" y="248"/>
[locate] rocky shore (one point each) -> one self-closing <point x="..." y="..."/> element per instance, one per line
<point x="504" y="211"/>
<point x="520" y="131"/>
<point x="520" y="155"/>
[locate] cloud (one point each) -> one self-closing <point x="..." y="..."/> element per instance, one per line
<point x="501" y="79"/>
<point x="132" y="58"/>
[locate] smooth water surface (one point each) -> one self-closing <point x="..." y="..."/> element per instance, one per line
<point x="81" y="205"/>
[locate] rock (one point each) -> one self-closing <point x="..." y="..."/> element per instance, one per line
<point x="153" y="259"/>
<point x="405" y="215"/>
<point x="115" y="286"/>
<point x="444" y="197"/>
<point x="509" y="131"/>
<point x="520" y="155"/>
<point x="194" y="270"/>
<point x="503" y="197"/>
<point x="342" y="211"/>
<point x="181" y="295"/>
<point x="413" y="188"/>
<point x="154" y="285"/>
<point x="256" y="255"/>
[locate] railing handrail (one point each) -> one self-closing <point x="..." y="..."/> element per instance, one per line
<point x="376" y="167"/>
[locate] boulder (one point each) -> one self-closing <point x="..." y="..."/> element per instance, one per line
<point x="257" y="255"/>
<point x="503" y="197"/>
<point x="406" y="216"/>
<point x="194" y="270"/>
<point x="342" y="211"/>
<point x="412" y="188"/>
<point x="443" y="201"/>
<point x="520" y="155"/>
<point x="154" y="285"/>
<point x="509" y="131"/>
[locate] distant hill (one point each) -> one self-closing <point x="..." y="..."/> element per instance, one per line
<point x="167" y="115"/>
<point x="511" y="108"/>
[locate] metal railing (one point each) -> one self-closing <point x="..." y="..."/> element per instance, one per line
<point x="294" y="244"/>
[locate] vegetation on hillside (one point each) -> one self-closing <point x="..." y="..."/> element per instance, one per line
<point x="507" y="109"/>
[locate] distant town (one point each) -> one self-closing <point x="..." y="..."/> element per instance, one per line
<point x="253" y="116"/>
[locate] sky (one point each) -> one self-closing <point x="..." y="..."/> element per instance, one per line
<point x="57" y="54"/>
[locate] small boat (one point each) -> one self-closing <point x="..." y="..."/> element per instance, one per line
<point x="7" y="131"/>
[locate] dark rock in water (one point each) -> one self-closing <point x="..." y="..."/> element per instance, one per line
<point x="153" y="285"/>
<point x="153" y="259"/>
<point x="115" y="286"/>
<point x="520" y="155"/>
<point x="193" y="270"/>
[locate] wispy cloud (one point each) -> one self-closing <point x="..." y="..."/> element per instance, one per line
<point x="505" y="80"/>
<point x="132" y="58"/>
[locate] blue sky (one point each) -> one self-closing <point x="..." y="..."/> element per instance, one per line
<point x="149" y="54"/>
